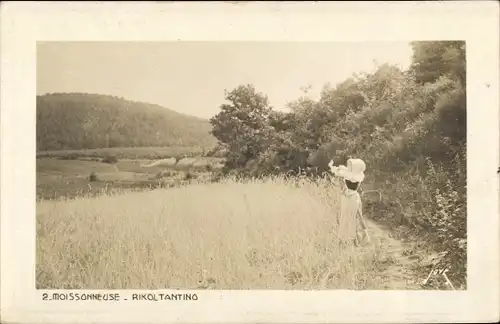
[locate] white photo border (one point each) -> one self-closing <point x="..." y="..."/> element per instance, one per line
<point x="25" y="24"/>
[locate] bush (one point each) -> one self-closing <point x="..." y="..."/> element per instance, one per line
<point x="110" y="160"/>
<point x="447" y="217"/>
<point x="70" y="156"/>
<point x="188" y="176"/>
<point x="162" y="174"/>
<point x="93" y="177"/>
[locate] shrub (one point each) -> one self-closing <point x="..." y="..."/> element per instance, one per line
<point x="110" y="159"/>
<point x="188" y="176"/>
<point x="162" y="174"/>
<point x="93" y="177"/>
<point x="447" y="217"/>
<point x="70" y="156"/>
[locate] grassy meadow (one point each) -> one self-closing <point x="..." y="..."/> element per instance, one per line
<point x="266" y="234"/>
<point x="274" y="233"/>
<point x="74" y="174"/>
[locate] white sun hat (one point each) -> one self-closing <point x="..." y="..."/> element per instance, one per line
<point x="354" y="171"/>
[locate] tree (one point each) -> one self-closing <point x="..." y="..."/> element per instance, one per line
<point x="432" y="59"/>
<point x="242" y="125"/>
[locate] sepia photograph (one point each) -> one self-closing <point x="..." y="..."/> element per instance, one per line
<point x="251" y="165"/>
<point x="249" y="162"/>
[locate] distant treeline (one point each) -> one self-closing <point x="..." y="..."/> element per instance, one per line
<point x="73" y="121"/>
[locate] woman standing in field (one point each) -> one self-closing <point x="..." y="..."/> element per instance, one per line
<point x="352" y="225"/>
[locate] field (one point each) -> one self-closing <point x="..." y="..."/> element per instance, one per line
<point x="275" y="233"/>
<point x="126" y="152"/>
<point x="70" y="174"/>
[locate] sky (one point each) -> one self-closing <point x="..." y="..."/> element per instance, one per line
<point x="190" y="77"/>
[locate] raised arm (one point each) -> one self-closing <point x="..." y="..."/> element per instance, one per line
<point x="336" y="170"/>
<point x="332" y="168"/>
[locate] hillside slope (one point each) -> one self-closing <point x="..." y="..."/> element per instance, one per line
<point x="84" y="121"/>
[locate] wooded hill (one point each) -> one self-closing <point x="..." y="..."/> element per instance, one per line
<point x="73" y="121"/>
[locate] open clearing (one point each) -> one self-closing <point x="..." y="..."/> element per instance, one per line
<point x="272" y="234"/>
<point x="58" y="178"/>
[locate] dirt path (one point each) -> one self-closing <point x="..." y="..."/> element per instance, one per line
<point x="396" y="265"/>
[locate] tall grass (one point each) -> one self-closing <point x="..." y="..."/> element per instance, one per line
<point x="126" y="152"/>
<point x="258" y="234"/>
